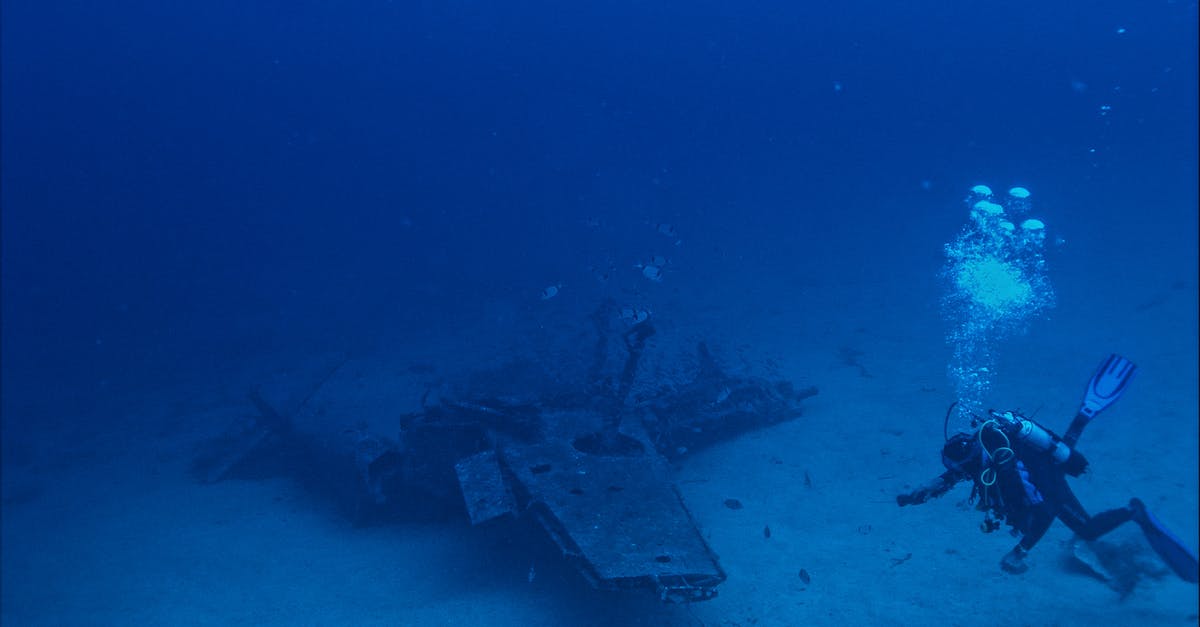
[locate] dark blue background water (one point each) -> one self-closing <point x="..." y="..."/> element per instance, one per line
<point x="184" y="183"/>
<point x="196" y="195"/>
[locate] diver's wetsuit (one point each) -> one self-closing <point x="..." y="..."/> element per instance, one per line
<point x="1024" y="488"/>
<point x="1019" y="472"/>
<point x="1029" y="496"/>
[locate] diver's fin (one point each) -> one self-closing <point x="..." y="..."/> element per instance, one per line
<point x="1104" y="389"/>
<point x="1107" y="384"/>
<point x="1169" y="547"/>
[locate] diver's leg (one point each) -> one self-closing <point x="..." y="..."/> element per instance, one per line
<point x="1090" y="527"/>
<point x="1043" y="517"/>
<point x="1102" y="523"/>
<point x="1040" y="520"/>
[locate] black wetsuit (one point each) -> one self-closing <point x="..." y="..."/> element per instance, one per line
<point x="1011" y="463"/>
<point x="1029" y="492"/>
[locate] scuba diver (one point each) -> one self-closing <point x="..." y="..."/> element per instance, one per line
<point x="1018" y="470"/>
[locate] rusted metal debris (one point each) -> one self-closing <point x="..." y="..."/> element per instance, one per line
<point x="590" y="467"/>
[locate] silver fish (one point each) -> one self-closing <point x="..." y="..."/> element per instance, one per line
<point x="653" y="272"/>
<point x="634" y="315"/>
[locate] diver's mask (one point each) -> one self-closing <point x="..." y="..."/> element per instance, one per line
<point x="962" y="452"/>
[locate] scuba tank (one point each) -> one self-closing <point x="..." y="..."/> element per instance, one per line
<point x="1105" y="387"/>
<point x="1040" y="439"/>
<point x="992" y="464"/>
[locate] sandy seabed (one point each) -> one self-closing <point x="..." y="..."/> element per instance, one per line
<point x="109" y="528"/>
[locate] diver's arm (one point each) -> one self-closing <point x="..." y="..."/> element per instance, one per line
<point x="933" y="489"/>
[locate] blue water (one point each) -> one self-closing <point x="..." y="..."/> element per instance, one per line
<point x="193" y="190"/>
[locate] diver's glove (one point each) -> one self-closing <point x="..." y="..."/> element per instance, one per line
<point x="916" y="497"/>
<point x="934" y="488"/>
<point x="1014" y="561"/>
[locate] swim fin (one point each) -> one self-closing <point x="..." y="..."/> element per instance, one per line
<point x="1104" y="389"/>
<point x="1169" y="547"/>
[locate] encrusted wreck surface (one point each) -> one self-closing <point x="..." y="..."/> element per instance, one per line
<point x="585" y="459"/>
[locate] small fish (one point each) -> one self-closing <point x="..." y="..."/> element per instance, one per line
<point x="532" y="574"/>
<point x="665" y="229"/>
<point x="634" y="315"/>
<point x="650" y="271"/>
<point x="551" y="291"/>
<point x="722" y="396"/>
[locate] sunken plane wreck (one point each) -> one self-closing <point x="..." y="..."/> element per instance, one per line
<point x="587" y="462"/>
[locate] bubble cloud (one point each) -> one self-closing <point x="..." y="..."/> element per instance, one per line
<point x="995" y="278"/>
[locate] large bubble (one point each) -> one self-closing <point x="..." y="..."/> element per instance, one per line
<point x="995" y="276"/>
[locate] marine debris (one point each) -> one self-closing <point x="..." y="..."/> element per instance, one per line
<point x="586" y="461"/>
